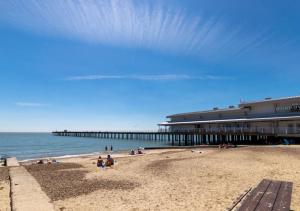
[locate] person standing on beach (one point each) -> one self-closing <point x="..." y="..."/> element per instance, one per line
<point x="111" y="148"/>
<point x="105" y="148"/>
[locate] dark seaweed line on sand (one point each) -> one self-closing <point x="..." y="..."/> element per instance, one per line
<point x="160" y="167"/>
<point x="68" y="180"/>
<point x="4" y="174"/>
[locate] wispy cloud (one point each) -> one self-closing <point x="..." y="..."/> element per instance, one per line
<point x="147" y="24"/>
<point x="167" y="77"/>
<point x="30" y="104"/>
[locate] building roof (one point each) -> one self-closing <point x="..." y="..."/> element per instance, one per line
<point x="240" y="106"/>
<point x="207" y="111"/>
<point x="268" y="100"/>
<point x="230" y="120"/>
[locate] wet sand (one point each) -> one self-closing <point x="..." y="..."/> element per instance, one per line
<point x="168" y="179"/>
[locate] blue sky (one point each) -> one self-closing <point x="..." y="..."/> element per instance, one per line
<point x="126" y="64"/>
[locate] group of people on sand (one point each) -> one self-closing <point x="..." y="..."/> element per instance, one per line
<point x="139" y="152"/>
<point x="223" y="146"/>
<point x="226" y="145"/>
<point x="109" y="162"/>
<point x="48" y="161"/>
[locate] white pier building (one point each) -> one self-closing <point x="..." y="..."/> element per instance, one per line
<point x="277" y="117"/>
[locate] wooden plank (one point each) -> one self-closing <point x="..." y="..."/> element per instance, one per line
<point x="268" y="200"/>
<point x="251" y="202"/>
<point x="284" y="196"/>
<point x="239" y="199"/>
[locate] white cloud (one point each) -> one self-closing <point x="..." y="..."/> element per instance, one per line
<point x="167" y="77"/>
<point x="136" y="23"/>
<point x="30" y="104"/>
<point x="149" y="24"/>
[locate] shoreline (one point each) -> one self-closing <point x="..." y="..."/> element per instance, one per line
<point x="120" y="153"/>
<point x="67" y="156"/>
<point x="150" y="150"/>
<point x="115" y="154"/>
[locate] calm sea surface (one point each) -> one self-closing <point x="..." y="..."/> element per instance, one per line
<point x="37" y="145"/>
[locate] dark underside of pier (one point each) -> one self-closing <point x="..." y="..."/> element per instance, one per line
<point x="188" y="138"/>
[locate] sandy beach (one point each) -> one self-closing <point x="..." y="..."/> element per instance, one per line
<point x="4" y="189"/>
<point x="198" y="179"/>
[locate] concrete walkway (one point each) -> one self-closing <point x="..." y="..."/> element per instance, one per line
<point x="26" y="193"/>
<point x="12" y="162"/>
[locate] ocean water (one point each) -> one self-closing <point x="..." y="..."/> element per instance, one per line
<point x="36" y="145"/>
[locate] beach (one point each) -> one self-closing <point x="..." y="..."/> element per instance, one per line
<point x="190" y="179"/>
<point x="4" y="189"/>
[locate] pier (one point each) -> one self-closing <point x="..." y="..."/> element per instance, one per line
<point x="181" y="138"/>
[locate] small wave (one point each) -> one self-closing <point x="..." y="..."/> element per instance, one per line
<point x="60" y="157"/>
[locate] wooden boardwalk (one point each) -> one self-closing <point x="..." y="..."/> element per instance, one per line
<point x="269" y="195"/>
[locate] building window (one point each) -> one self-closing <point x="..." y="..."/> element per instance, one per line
<point x="290" y="128"/>
<point x="298" y="127"/>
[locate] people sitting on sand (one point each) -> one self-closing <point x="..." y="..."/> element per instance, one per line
<point x="223" y="146"/>
<point x="109" y="161"/>
<point x="100" y="162"/>
<point x="54" y="161"/>
<point x="140" y="151"/>
<point x="40" y="162"/>
<point x="132" y="152"/>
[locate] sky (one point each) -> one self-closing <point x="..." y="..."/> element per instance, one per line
<point x="127" y="64"/>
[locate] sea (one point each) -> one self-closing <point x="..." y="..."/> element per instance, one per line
<point x="26" y="146"/>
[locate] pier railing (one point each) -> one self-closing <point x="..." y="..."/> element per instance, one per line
<point x="192" y="137"/>
<point x="213" y="130"/>
<point x="258" y="130"/>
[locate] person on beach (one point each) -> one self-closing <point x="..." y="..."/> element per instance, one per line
<point x="100" y="162"/>
<point x="140" y="151"/>
<point x="54" y="161"/>
<point x="111" y="148"/>
<point x="132" y="152"/>
<point x="105" y="148"/>
<point x="110" y="161"/>
<point x="40" y="162"/>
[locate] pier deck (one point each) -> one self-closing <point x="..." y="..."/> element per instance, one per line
<point x="188" y="138"/>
